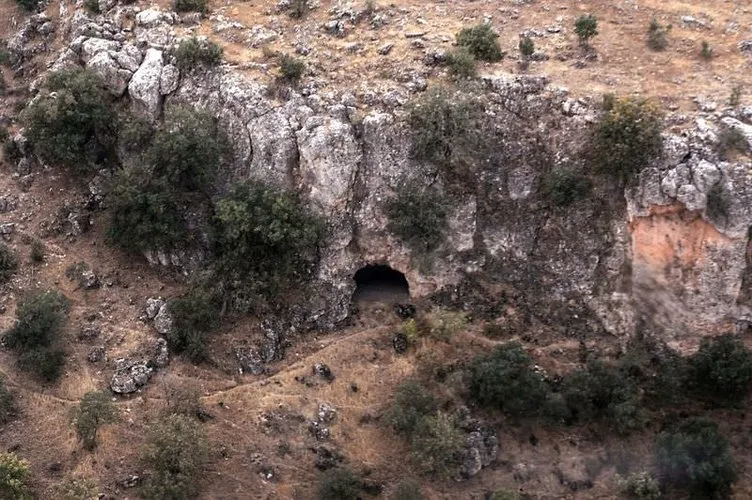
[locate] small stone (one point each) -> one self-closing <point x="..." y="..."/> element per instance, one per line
<point x="323" y="371"/>
<point x="161" y="354"/>
<point x="89" y="332"/>
<point x="153" y="305"/>
<point x="404" y="311"/>
<point x="163" y="320"/>
<point x="415" y="34"/>
<point x="96" y="354"/>
<point x="326" y="413"/>
<point x="386" y="49"/>
<point x="318" y="431"/>
<point x="400" y="343"/>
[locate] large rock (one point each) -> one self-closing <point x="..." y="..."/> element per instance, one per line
<point x="144" y="87"/>
<point x="275" y="150"/>
<point x="163" y="321"/>
<point x="129" y="376"/>
<point x="115" y="79"/>
<point x="169" y="79"/>
<point x="93" y="46"/>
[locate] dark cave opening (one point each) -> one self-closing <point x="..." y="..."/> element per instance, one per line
<point x="380" y="283"/>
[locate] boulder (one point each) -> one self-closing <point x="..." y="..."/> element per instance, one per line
<point x="115" y="79"/>
<point x="129" y="376"/>
<point x="169" y="79"/>
<point x="163" y="321"/>
<point x="144" y="87"/>
<point x="161" y="354"/>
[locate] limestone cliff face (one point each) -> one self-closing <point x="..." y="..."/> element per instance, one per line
<point x="652" y="257"/>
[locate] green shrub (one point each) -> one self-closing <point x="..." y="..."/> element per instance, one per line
<point x="407" y="489"/>
<point x="721" y="370"/>
<point x="718" y="203"/>
<point x="298" y="9"/>
<point x="182" y="398"/>
<point x="8" y="409"/>
<point x="194" y="316"/>
<point x="290" y="69"/>
<point x="39" y="317"/>
<point x="446" y="129"/>
<point x="187" y="149"/>
<point x="267" y="238"/>
<point x="445" y="324"/>
<point x="695" y="457"/>
<point x="37" y="251"/>
<point x="93" y="411"/>
<point x="14" y="473"/>
<point x="657" y="35"/>
<point x="506" y="379"/>
<point x="564" y="186"/>
<point x="586" y="27"/>
<point x="527" y="46"/>
<point x="731" y="140"/>
<point x="71" y="122"/>
<point x="461" y="63"/>
<point x="134" y="133"/>
<point x="8" y="263"/>
<point x="437" y="444"/>
<point x="641" y="486"/>
<point x="418" y="217"/>
<point x="44" y="362"/>
<point x="92" y="6"/>
<point x="507" y="495"/>
<point x="411" y="403"/>
<point x="190" y="6"/>
<point x="599" y="391"/>
<point x="29" y="5"/>
<point x="339" y="484"/>
<point x="195" y="52"/>
<point x="144" y="212"/>
<point x="706" y="51"/>
<point x="482" y="42"/>
<point x="176" y="452"/>
<point x="77" y="489"/>
<point x="627" y="137"/>
<point x="736" y="95"/>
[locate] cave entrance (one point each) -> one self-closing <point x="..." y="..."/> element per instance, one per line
<point x="380" y="283"/>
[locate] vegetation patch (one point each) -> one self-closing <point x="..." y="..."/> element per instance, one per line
<point x="627" y="137"/>
<point x="72" y="121"/>
<point x="731" y="140"/>
<point x="418" y="217"/>
<point x="14" y="475"/>
<point x="411" y="403"/>
<point x="190" y="6"/>
<point x="695" y="457"/>
<point x="564" y="186"/>
<point x="437" y="444"/>
<point x="176" y="452"/>
<point x="8" y="408"/>
<point x="290" y="69"/>
<point x="658" y="35"/>
<point x="461" y="63"/>
<point x="8" y="263"/>
<point x="194" y="317"/>
<point x="93" y="411"/>
<point x="196" y="52"/>
<point x="482" y="42"/>
<point x="586" y="27"/>
<point x="721" y="370"/>
<point x="339" y="483"/>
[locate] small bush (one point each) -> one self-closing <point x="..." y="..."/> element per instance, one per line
<point x="527" y="47"/>
<point x="29" y="5"/>
<point x="445" y="128"/>
<point x="407" y="489"/>
<point x="706" y="52"/>
<point x="445" y="324"/>
<point x="564" y="186"/>
<point x="8" y="263"/>
<point x="601" y="392"/>
<point x="437" y="444"/>
<point x="134" y="133"/>
<point x="506" y="379"/>
<point x="194" y="315"/>
<point x="586" y="27"/>
<point x="77" y="489"/>
<point x="461" y="63"/>
<point x="267" y="238"/>
<point x="721" y="370"/>
<point x="658" y="35"/>
<point x="176" y="452"/>
<point x="37" y="251"/>
<point x="736" y="95"/>
<point x="298" y="9"/>
<point x="8" y="409"/>
<point x="418" y="217"/>
<point x="71" y="122"/>
<point x="731" y="140"/>
<point x="482" y="42"/>
<point x="190" y="6"/>
<point x="144" y="213"/>
<point x="182" y="398"/>
<point x="14" y="473"/>
<point x="92" y="6"/>
<point x="339" y="484"/>
<point x="44" y="362"/>
<point x="717" y="203"/>
<point x="696" y="457"/>
<point x="627" y="137"/>
<point x="188" y="149"/>
<point x="641" y="486"/>
<point x="94" y="410"/>
<point x="39" y="318"/>
<point x="195" y="52"/>
<point x="290" y="69"/>
<point x="411" y="403"/>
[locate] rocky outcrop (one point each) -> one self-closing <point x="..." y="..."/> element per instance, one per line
<point x="144" y="87"/>
<point x="129" y="376"/>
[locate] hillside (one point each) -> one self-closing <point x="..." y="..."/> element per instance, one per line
<point x="268" y="229"/>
